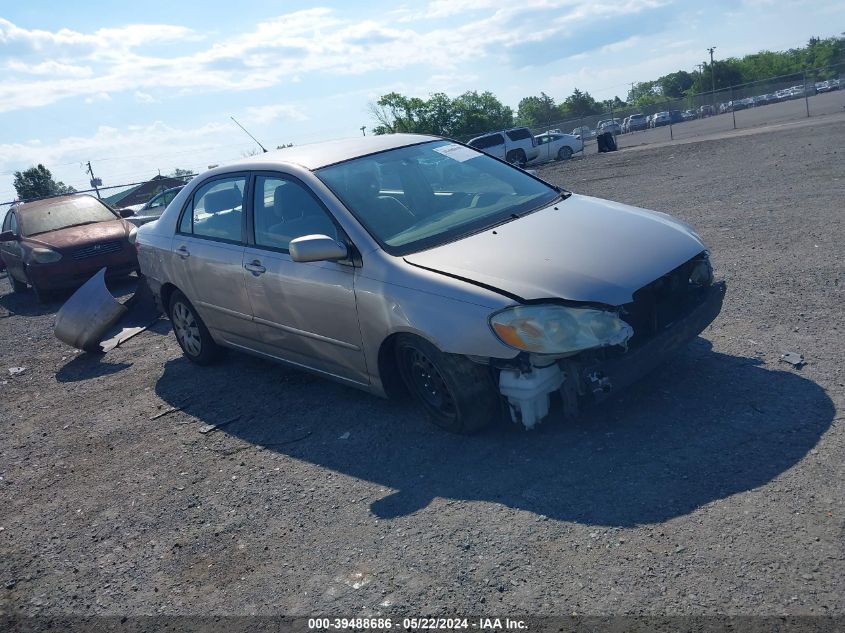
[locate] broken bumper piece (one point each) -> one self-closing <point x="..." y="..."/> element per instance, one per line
<point x="94" y="321"/>
<point x="618" y="373"/>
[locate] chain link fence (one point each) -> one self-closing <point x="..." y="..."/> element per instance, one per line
<point x="775" y="100"/>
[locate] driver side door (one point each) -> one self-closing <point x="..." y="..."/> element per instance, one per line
<point x="304" y="313"/>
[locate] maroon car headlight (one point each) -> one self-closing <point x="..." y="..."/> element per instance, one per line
<point x="133" y="235"/>
<point x="44" y="255"/>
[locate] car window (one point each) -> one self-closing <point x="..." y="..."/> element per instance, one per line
<point x="488" y="141"/>
<point x="285" y="209"/>
<point x="542" y="140"/>
<point x="519" y="134"/>
<point x="13" y="222"/>
<point x="448" y="190"/>
<point x="216" y="210"/>
<point x="63" y="213"/>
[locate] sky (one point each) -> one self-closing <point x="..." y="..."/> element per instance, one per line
<point x="145" y="87"/>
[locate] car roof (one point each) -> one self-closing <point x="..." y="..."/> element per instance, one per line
<point x="316" y="155"/>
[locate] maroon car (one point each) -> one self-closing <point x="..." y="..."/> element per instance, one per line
<point x="61" y="242"/>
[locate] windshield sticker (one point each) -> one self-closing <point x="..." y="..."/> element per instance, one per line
<point x="457" y="152"/>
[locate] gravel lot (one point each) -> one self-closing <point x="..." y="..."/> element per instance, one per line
<point x="714" y="486"/>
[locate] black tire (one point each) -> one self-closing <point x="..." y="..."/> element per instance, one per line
<point x="517" y="157"/>
<point x="190" y="331"/>
<point x="456" y="393"/>
<point x="564" y="153"/>
<point x="17" y="286"/>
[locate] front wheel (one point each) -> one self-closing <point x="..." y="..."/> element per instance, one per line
<point x="457" y="394"/>
<point x="564" y="153"/>
<point x="191" y="333"/>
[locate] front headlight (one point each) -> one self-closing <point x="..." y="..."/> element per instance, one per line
<point x="44" y="255"/>
<point x="133" y="234"/>
<point x="554" y="329"/>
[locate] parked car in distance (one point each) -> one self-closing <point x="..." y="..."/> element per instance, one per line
<point x="60" y="242"/>
<point x="706" y="110"/>
<point x="584" y="133"/>
<point x="614" y="126"/>
<point x="637" y="122"/>
<point x="154" y="207"/>
<point x="557" y="146"/>
<point x="516" y="145"/>
<point x="660" y="119"/>
<point x="472" y="286"/>
<point x="688" y="115"/>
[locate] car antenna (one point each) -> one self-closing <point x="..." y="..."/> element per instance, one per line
<point x="248" y="134"/>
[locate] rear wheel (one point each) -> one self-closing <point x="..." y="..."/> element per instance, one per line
<point x="564" y="153"/>
<point x="457" y="394"/>
<point x="191" y="333"/>
<point x="517" y="157"/>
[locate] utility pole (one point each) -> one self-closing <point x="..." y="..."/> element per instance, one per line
<point x="712" y="75"/>
<point x="363" y="129"/>
<point x="95" y="182"/>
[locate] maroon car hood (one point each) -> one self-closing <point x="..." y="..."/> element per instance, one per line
<point x="74" y="236"/>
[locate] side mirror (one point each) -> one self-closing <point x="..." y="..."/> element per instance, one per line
<point x="126" y="213"/>
<point x="8" y="236"/>
<point x="317" y="248"/>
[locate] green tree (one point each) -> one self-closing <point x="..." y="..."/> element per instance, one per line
<point x="466" y="115"/>
<point x="182" y="174"/>
<point x="37" y="182"/>
<point x="579" y="104"/>
<point x="674" y="85"/>
<point x="537" y="111"/>
<point x="478" y="113"/>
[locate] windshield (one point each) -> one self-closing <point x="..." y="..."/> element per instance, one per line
<point x="417" y="197"/>
<point x="62" y="214"/>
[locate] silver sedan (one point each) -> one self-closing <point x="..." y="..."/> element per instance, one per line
<point x="405" y="263"/>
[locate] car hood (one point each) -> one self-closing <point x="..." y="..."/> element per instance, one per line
<point x="581" y="249"/>
<point x="74" y="236"/>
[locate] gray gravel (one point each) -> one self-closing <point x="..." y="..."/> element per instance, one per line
<point x="714" y="486"/>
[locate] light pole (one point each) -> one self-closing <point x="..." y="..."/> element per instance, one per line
<point x="712" y="75"/>
<point x="363" y="129"/>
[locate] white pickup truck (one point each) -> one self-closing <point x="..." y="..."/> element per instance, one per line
<point x="517" y="145"/>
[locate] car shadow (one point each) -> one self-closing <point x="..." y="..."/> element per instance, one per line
<point x="700" y="429"/>
<point x="88" y="365"/>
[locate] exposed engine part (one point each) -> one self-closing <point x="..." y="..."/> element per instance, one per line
<point x="528" y="392"/>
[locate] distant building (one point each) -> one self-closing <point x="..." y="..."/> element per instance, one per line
<point x="139" y="194"/>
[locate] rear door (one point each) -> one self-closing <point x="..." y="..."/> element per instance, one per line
<point x="207" y="258"/>
<point x="544" y="145"/>
<point x="305" y="313"/>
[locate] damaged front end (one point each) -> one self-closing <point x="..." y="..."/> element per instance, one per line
<point x="585" y="352"/>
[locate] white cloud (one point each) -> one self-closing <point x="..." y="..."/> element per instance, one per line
<point x="285" y="48"/>
<point x="49" y="67"/>
<point x="100" y="96"/>
<point x="269" y="113"/>
<point x="143" y="97"/>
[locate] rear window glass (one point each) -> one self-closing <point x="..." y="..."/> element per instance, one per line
<point x="518" y="135"/>
<point x="62" y="214"/>
<point x="488" y="141"/>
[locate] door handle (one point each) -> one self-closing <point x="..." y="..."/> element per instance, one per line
<point x="183" y="252"/>
<point x="255" y="267"/>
